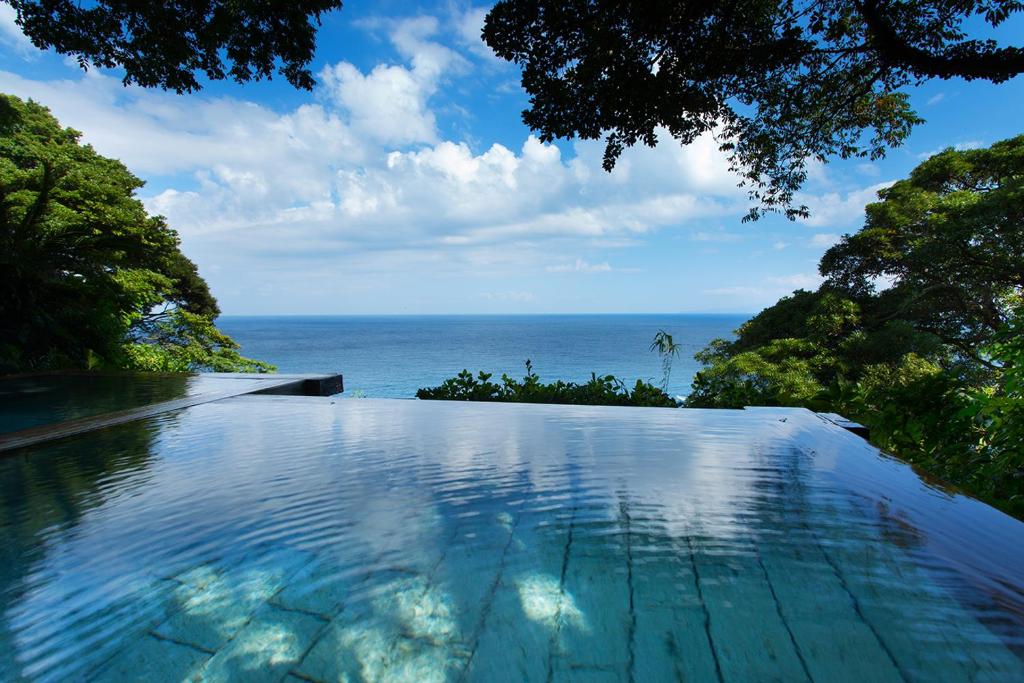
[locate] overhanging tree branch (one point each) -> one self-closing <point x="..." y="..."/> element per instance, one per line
<point x="969" y="60"/>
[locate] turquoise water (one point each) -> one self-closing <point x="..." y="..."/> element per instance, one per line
<point x="267" y="538"/>
<point x="393" y="356"/>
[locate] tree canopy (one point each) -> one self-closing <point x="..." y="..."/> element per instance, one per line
<point x="777" y="82"/>
<point x="87" y="277"/>
<point x="950" y="240"/>
<point x="165" y="44"/>
<point x="917" y="330"/>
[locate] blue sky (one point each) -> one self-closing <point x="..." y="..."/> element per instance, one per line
<point x="407" y="183"/>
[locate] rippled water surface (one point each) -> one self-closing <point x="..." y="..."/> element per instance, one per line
<point x="268" y="538"/>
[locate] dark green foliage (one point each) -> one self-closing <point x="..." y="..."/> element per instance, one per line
<point x="87" y="277"/>
<point x="951" y="236"/>
<point x="787" y="318"/>
<point x="166" y="44"/>
<point x="998" y="414"/>
<point x="778" y="82"/>
<point x="599" y="391"/>
<point x="933" y="365"/>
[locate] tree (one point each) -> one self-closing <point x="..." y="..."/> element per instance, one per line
<point x="934" y="363"/>
<point x="790" y="352"/>
<point x="166" y="44"/>
<point x="950" y="240"/>
<point x="87" y="277"/>
<point x="777" y="82"/>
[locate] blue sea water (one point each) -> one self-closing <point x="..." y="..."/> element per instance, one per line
<point x="393" y="356"/>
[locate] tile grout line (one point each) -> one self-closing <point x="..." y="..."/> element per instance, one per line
<point x="298" y="610"/>
<point x="301" y="676"/>
<point x="842" y="582"/>
<point x="193" y="646"/>
<point x="856" y="604"/>
<point x="553" y="642"/>
<point x="98" y="668"/>
<point x="489" y="601"/>
<point x="294" y="671"/>
<point x="704" y="608"/>
<point x="624" y="510"/>
<point x="248" y="620"/>
<point x="429" y="577"/>
<point x="313" y="642"/>
<point x="782" y="617"/>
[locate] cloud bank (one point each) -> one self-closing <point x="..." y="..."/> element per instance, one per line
<point x="359" y="190"/>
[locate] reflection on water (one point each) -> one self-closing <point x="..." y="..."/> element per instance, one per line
<point x="42" y="500"/>
<point x="33" y="401"/>
<point x="262" y="538"/>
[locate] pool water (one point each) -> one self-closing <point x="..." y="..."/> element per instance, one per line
<point x="37" y="400"/>
<point x="307" y="539"/>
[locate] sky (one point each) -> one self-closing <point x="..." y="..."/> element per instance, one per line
<point x="406" y="182"/>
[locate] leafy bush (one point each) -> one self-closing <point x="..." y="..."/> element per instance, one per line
<point x="779" y="373"/>
<point x="997" y="413"/>
<point x="599" y="391"/>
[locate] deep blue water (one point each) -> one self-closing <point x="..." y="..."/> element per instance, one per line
<point x="392" y="356"/>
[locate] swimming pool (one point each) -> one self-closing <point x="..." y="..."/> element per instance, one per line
<point x="264" y="538"/>
<point x="36" y="400"/>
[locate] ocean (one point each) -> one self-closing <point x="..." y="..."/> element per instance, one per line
<point x="393" y="356"/>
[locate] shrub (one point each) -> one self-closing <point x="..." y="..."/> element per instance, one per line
<point x="603" y="390"/>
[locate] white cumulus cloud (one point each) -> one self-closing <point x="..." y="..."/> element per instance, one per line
<point x="357" y="192"/>
<point x="841" y="209"/>
<point x="389" y="104"/>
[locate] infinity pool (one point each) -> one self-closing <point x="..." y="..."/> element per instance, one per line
<point x="302" y="539"/>
<point x="33" y="401"/>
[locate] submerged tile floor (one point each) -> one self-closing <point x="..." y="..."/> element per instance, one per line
<point x="267" y="539"/>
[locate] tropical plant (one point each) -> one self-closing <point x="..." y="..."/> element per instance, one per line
<point x="87" y="278"/>
<point x="668" y="350"/>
